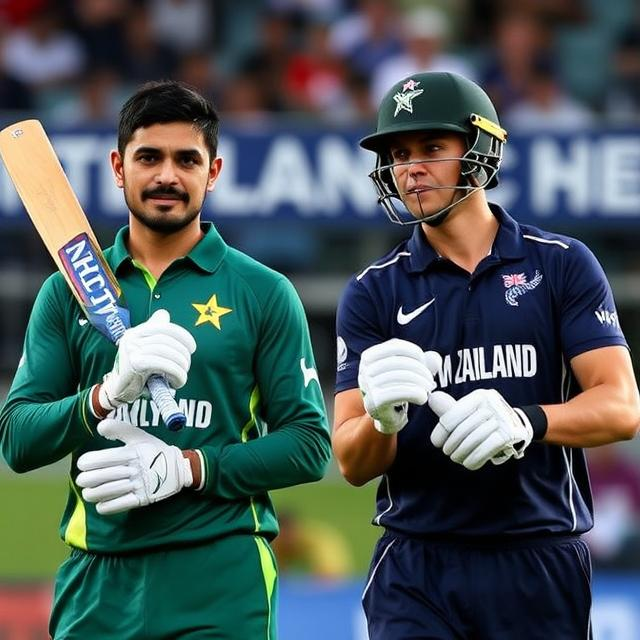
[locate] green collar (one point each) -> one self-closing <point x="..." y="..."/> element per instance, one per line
<point x="207" y="254"/>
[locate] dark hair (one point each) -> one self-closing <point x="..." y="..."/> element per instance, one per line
<point x="168" y="101"/>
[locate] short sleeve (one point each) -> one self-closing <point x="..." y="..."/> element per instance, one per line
<point x="589" y="319"/>
<point x="358" y="327"/>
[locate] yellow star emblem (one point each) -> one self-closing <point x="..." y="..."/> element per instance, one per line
<point x="210" y="312"/>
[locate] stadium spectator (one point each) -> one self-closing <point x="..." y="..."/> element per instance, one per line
<point x="101" y="27"/>
<point x="267" y="60"/>
<point x="622" y="97"/>
<point x="198" y="69"/>
<point x="357" y="107"/>
<point x="315" y="77"/>
<point x="147" y="56"/>
<point x="368" y="35"/>
<point x="544" y="105"/>
<point x="182" y="25"/>
<point x="426" y="37"/>
<point x="518" y="40"/>
<point x="95" y="103"/>
<point x="245" y="103"/>
<point x="43" y="53"/>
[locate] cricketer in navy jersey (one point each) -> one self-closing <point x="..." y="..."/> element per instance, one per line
<point x="474" y="362"/>
<point x="534" y="303"/>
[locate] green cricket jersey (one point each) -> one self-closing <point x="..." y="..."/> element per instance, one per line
<point x="253" y="401"/>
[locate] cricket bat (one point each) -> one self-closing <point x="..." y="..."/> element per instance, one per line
<point x="58" y="217"/>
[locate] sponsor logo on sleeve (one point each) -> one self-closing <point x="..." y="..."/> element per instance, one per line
<point x="606" y="317"/>
<point x="341" y="356"/>
<point x="309" y="373"/>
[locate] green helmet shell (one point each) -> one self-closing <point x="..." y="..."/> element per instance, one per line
<point x="442" y="101"/>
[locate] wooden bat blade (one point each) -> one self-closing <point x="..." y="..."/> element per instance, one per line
<point x="42" y="185"/>
<point x="51" y="203"/>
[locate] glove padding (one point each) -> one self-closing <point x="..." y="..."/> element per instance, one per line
<point x="156" y="346"/>
<point x="479" y="427"/>
<point x="393" y="374"/>
<point x="143" y="471"/>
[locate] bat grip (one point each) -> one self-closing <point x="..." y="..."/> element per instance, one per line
<point x="166" y="403"/>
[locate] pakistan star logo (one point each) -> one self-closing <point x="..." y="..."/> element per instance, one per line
<point x="210" y="312"/>
<point x="404" y="99"/>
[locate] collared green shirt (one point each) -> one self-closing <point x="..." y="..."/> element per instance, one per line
<point x="253" y="402"/>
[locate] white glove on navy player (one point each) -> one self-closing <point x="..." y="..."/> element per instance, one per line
<point x="393" y="374"/>
<point x="156" y="346"/>
<point x="143" y="471"/>
<point x="479" y="427"/>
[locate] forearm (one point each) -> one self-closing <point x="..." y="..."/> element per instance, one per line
<point x="292" y="455"/>
<point x="33" y="435"/>
<point x="597" y="416"/>
<point x="362" y="452"/>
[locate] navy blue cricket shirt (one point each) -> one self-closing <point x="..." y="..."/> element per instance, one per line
<point x="538" y="300"/>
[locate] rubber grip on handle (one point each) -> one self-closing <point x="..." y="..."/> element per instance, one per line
<point x="166" y="403"/>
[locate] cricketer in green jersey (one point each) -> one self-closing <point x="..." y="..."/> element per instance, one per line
<point x="170" y="530"/>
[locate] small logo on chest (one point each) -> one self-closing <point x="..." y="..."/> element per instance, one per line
<point x="517" y="285"/>
<point x="210" y="311"/>
<point x="406" y="317"/>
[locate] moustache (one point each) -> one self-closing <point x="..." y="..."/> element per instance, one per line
<point x="165" y="191"/>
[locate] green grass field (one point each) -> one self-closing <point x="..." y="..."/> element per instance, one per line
<point x="32" y="504"/>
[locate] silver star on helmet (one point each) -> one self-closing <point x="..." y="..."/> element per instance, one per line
<point x="404" y="100"/>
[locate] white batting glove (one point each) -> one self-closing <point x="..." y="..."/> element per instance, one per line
<point x="479" y="427"/>
<point x="143" y="471"/>
<point x="156" y="346"/>
<point x="393" y="374"/>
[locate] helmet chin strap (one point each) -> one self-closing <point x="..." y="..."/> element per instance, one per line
<point x="439" y="217"/>
<point x="436" y="219"/>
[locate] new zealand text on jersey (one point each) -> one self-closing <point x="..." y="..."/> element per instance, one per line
<point x="499" y="361"/>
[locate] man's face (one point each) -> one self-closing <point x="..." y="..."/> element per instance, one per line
<point x="426" y="170"/>
<point x="165" y="173"/>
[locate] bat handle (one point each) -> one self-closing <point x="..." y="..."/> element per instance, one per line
<point x="166" y="403"/>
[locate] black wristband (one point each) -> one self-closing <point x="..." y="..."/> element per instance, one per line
<point x="537" y="418"/>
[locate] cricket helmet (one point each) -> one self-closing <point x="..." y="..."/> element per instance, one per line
<point x="437" y="101"/>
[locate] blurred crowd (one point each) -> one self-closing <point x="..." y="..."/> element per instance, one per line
<point x="546" y="63"/>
